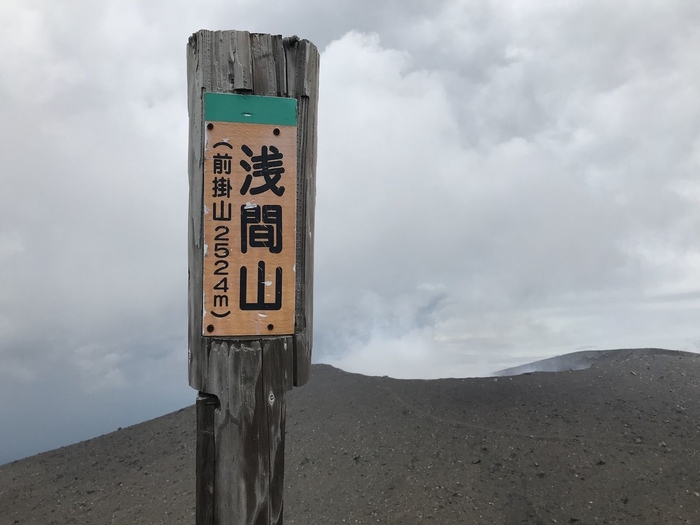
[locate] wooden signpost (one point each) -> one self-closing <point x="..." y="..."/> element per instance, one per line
<point x="252" y="102"/>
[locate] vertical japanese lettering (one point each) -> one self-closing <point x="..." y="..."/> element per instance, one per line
<point x="222" y="162"/>
<point x="249" y="198"/>
<point x="260" y="304"/>
<point x="267" y="165"/>
<point x="261" y="227"/>
<point x="221" y="188"/>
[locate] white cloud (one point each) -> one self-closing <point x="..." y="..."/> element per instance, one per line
<point x="497" y="182"/>
<point x="566" y="188"/>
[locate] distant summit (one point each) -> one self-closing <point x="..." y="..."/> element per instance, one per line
<point x="616" y="442"/>
<point x="580" y="360"/>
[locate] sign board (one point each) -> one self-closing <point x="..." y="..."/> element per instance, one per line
<point x="249" y="215"/>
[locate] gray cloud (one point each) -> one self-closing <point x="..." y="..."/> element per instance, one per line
<point x="497" y="183"/>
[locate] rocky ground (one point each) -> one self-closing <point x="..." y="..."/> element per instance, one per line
<point x="616" y="443"/>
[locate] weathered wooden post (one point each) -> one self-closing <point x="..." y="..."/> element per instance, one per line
<point x="252" y="102"/>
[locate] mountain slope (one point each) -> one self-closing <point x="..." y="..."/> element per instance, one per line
<point x="615" y="443"/>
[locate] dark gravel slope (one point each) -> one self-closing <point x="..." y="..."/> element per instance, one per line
<point x="615" y="443"/>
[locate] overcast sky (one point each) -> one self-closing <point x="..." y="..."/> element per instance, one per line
<point x="498" y="182"/>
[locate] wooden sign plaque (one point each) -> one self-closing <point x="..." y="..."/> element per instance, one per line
<point x="249" y="215"/>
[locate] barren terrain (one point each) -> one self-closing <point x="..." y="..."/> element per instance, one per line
<point x="615" y="443"/>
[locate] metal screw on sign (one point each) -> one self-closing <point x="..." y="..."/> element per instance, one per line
<point x="271" y="398"/>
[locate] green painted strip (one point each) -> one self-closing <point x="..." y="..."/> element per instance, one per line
<point x="251" y="109"/>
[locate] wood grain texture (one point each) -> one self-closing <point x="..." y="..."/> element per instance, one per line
<point x="242" y="478"/>
<point x="302" y="80"/>
<point x="276" y="354"/>
<point x="269" y="65"/>
<point x="196" y="65"/>
<point x="249" y="380"/>
<point x="206" y="407"/>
